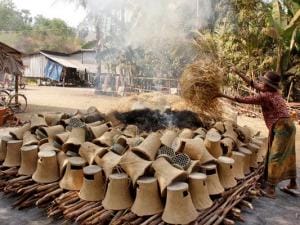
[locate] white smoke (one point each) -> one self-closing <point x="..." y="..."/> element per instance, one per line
<point x="152" y="22"/>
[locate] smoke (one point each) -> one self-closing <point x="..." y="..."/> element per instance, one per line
<point x="156" y="21"/>
<point x="155" y="34"/>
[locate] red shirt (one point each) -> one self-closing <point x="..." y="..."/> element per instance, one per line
<point x="273" y="106"/>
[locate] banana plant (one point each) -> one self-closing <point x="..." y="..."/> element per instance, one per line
<point x="284" y="28"/>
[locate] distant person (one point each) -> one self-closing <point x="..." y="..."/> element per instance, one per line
<point x="281" y="155"/>
<point x="6" y="80"/>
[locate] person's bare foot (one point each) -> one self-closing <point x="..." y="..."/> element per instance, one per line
<point x="269" y="191"/>
<point x="292" y="184"/>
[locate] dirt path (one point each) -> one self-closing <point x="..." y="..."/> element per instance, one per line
<point x="285" y="210"/>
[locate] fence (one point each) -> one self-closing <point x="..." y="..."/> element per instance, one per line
<point x="116" y="85"/>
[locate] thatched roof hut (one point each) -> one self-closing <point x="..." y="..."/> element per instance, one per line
<point x="10" y="60"/>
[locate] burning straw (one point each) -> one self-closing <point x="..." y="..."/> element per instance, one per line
<point x="200" y="85"/>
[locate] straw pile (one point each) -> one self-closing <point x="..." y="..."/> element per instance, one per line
<point x="200" y="85"/>
<point x="153" y="100"/>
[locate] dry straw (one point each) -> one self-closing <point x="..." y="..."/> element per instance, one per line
<point x="200" y="84"/>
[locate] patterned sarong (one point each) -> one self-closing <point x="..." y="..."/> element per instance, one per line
<point x="281" y="157"/>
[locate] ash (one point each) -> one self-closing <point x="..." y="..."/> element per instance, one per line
<point x="153" y="120"/>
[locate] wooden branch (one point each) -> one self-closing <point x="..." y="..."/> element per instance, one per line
<point x="81" y="210"/>
<point x="92" y="217"/>
<point x="154" y="217"/>
<point x="88" y="213"/>
<point x="49" y="196"/>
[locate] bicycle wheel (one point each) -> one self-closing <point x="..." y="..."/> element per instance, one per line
<point x="18" y="103"/>
<point x="4" y="97"/>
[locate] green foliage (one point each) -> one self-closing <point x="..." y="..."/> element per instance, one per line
<point x="252" y="35"/>
<point x="283" y="28"/>
<point x="18" y="30"/>
<point x="11" y="18"/>
<point x="52" y="34"/>
<point x="240" y="39"/>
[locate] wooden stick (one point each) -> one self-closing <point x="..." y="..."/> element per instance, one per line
<point x="88" y="213"/>
<point x="31" y="190"/>
<point x="237" y="216"/>
<point x="92" y="217"/>
<point x="19" y="179"/>
<point x="236" y="210"/>
<point x="49" y="196"/>
<point x="9" y="170"/>
<point x="42" y="193"/>
<point x="65" y="195"/>
<point x="11" y="173"/>
<point x="54" y="213"/>
<point x="154" y="217"/>
<point x="21" y="190"/>
<point x="47" y="186"/>
<point x="69" y="201"/>
<point x="137" y="221"/>
<point x="68" y="206"/>
<point x="28" y="203"/>
<point x="290" y="90"/>
<point x="77" y="212"/>
<point x="104" y="216"/>
<point x="76" y="206"/>
<point x="117" y="216"/>
<point x="20" y="200"/>
<point x="127" y="217"/>
<point x="225" y="212"/>
<point x="227" y="221"/>
<point x="62" y="201"/>
<point x="232" y="200"/>
<point x="247" y="204"/>
<point x="156" y="221"/>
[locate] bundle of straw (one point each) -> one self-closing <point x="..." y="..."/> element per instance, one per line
<point x="200" y="84"/>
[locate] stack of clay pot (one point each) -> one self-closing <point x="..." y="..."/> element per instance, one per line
<point x="187" y="168"/>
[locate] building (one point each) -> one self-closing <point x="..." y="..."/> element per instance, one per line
<point x="77" y="68"/>
<point x="10" y="63"/>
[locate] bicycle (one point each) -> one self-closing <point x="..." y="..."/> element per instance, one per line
<point x="16" y="102"/>
<point x="11" y="84"/>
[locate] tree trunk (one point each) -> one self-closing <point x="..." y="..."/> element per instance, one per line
<point x="279" y="60"/>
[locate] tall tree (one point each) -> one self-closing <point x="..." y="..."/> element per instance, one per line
<point x="19" y="29"/>
<point x="11" y="18"/>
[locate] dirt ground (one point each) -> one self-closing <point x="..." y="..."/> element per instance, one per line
<point x="285" y="210"/>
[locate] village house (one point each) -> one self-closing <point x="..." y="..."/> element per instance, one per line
<point x="55" y="68"/>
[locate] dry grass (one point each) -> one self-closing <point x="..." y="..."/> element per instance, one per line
<point x="153" y="100"/>
<point x="200" y="84"/>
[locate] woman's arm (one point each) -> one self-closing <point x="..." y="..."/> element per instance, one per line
<point x="227" y="96"/>
<point x="254" y="100"/>
<point x="249" y="81"/>
<point x="241" y="75"/>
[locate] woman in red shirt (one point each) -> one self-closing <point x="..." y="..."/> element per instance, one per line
<point x="281" y="156"/>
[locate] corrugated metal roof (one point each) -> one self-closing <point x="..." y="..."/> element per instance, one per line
<point x="71" y="63"/>
<point x="83" y="50"/>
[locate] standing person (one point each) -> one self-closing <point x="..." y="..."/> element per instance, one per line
<point x="7" y="80"/>
<point x="281" y="156"/>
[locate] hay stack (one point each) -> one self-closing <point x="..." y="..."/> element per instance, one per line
<point x="200" y="84"/>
